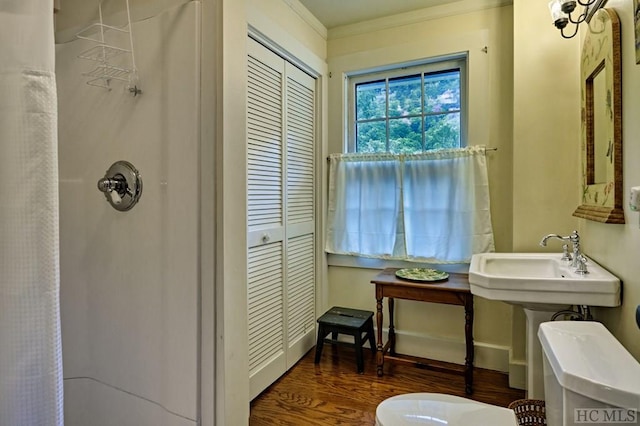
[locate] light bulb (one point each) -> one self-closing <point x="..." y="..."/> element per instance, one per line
<point x="560" y="18"/>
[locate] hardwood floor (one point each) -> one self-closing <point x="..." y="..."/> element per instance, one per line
<point x="332" y="393"/>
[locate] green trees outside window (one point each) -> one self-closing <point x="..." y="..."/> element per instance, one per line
<point x="410" y="113"/>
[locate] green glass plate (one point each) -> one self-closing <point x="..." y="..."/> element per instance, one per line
<point x="421" y="274"/>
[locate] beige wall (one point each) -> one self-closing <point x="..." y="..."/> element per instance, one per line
<point x="434" y="330"/>
<point x="617" y="247"/>
<point x="288" y="24"/>
<point x="534" y="175"/>
<point x="491" y="111"/>
<point x="546" y="154"/>
<point x="546" y="125"/>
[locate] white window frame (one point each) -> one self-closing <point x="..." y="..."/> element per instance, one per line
<point x="431" y="65"/>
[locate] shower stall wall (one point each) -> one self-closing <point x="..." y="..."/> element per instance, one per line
<point x="130" y="280"/>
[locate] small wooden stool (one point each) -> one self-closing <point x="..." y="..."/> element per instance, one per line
<point x="353" y="322"/>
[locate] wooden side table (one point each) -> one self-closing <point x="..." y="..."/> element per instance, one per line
<point x="454" y="291"/>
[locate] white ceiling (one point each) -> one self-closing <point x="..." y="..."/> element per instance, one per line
<point x="333" y="13"/>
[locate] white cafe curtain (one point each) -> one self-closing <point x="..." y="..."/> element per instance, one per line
<point x="431" y="207"/>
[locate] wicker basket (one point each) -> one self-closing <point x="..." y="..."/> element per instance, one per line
<point x="529" y="412"/>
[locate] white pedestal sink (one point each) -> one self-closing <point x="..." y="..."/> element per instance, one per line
<point x="542" y="284"/>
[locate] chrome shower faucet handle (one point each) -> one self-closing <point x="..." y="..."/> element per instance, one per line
<point x="122" y="185"/>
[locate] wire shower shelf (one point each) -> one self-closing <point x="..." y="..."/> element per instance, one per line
<point x="104" y="53"/>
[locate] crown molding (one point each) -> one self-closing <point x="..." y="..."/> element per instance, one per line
<point x="421" y="15"/>
<point x="307" y="17"/>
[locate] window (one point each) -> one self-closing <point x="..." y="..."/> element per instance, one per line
<point x="409" y="109"/>
<point x="430" y="204"/>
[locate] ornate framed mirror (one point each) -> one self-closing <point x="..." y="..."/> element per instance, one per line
<point x="601" y="128"/>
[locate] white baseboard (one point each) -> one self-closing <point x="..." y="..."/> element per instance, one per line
<point x="518" y="374"/>
<point x="487" y="355"/>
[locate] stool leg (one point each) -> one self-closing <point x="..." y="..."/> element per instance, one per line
<point x="319" y="343"/>
<point x="372" y="340"/>
<point x="358" y="344"/>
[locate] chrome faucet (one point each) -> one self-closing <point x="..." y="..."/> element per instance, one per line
<point x="574" y="239"/>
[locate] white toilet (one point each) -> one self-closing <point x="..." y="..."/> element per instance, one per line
<point x="585" y="368"/>
<point x="439" y="409"/>
<point x="589" y="377"/>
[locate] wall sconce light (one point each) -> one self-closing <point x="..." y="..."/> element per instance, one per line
<point x="561" y="13"/>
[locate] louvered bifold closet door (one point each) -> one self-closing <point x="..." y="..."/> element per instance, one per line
<point x="281" y="215"/>
<point x="300" y="213"/>
<point x="265" y="217"/>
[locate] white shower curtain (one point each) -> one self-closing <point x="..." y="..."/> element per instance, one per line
<point x="30" y="347"/>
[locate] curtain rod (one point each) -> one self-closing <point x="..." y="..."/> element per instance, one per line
<point x="486" y="149"/>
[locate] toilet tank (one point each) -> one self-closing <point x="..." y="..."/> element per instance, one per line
<point x="589" y="377"/>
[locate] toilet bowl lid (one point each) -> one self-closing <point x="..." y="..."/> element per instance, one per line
<point x="440" y="409"/>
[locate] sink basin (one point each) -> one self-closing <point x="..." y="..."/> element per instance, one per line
<point x="542" y="284"/>
<point x="541" y="281"/>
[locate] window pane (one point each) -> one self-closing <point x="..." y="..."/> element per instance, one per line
<point x="405" y="96"/>
<point x="408" y="109"/>
<point x="405" y="135"/>
<point x="442" y="131"/>
<point x="370" y="100"/>
<point x="442" y="92"/>
<point x="371" y="137"/>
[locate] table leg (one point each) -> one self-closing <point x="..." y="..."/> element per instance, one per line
<point x="380" y="346"/>
<point x="468" y="334"/>
<point x="392" y="329"/>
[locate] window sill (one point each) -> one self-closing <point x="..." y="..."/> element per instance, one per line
<point x="367" y="263"/>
